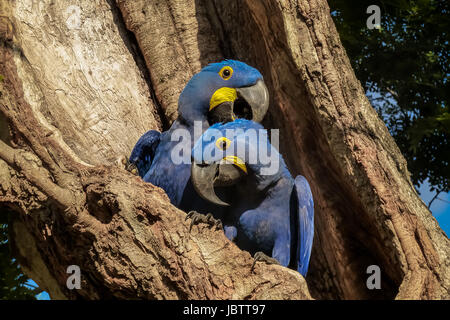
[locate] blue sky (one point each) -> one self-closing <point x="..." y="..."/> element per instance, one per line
<point x="440" y="207"/>
<point x="41" y="296"/>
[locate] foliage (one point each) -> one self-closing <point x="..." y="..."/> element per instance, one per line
<point x="13" y="284"/>
<point x="404" y="68"/>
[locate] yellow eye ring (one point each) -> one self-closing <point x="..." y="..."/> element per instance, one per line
<point x="223" y="143"/>
<point x="226" y="72"/>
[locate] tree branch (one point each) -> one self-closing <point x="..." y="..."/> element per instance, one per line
<point x="434" y="198"/>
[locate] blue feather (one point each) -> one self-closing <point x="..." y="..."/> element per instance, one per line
<point x="144" y="151"/>
<point x="272" y="213"/>
<point x="305" y="212"/>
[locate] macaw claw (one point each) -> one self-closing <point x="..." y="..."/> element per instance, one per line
<point x="199" y="217"/>
<point x="124" y="163"/>
<point x="262" y="257"/>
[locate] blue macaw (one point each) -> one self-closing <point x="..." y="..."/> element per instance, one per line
<point x="219" y="92"/>
<point x="271" y="214"/>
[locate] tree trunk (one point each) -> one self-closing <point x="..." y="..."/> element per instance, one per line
<point x="82" y="83"/>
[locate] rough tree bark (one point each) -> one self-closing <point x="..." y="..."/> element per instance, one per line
<point x="76" y="94"/>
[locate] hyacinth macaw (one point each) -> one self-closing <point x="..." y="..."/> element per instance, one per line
<point x="219" y="92"/>
<point x="271" y="214"/>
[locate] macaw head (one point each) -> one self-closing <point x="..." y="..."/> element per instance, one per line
<point x="223" y="92"/>
<point x="227" y="153"/>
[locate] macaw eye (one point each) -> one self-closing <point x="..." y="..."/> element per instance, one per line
<point x="223" y="143"/>
<point x="226" y="72"/>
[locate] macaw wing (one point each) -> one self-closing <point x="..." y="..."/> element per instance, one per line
<point x="304" y="207"/>
<point x="144" y="151"/>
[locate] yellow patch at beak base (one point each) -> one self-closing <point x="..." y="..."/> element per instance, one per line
<point x="236" y="161"/>
<point x="222" y="95"/>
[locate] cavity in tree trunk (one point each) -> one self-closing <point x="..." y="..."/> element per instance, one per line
<point x="81" y="83"/>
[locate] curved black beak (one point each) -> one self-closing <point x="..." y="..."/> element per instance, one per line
<point x="205" y="177"/>
<point x="257" y="98"/>
<point x="251" y="103"/>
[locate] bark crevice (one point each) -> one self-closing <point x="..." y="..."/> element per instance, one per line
<point x="132" y="44"/>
